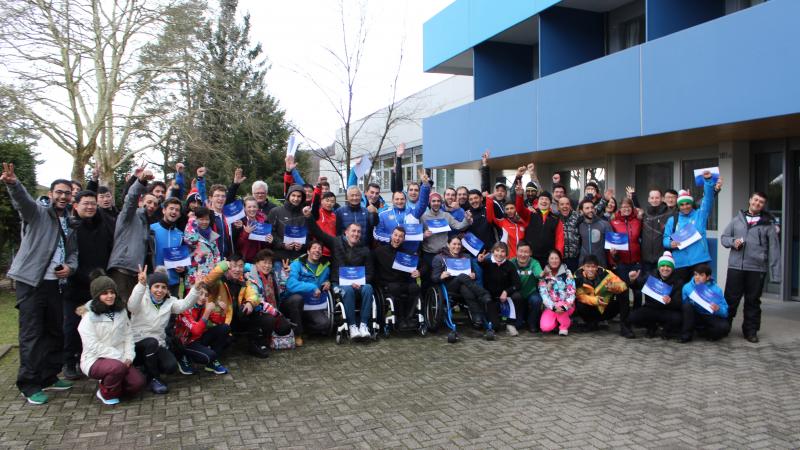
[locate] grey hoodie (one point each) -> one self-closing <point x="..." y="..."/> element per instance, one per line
<point x="40" y="239"/>
<point x="593" y="239"/>
<point x="436" y="242"/>
<point x="762" y="245"/>
<point x="132" y="233"/>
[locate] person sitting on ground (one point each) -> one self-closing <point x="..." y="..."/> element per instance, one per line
<point x="287" y="312"/>
<point x="107" y="338"/>
<point x="557" y="288"/>
<point x="228" y="284"/>
<point x="203" y="333"/>
<point x="595" y="291"/>
<point x="529" y="271"/>
<point x="502" y="281"/>
<point x="349" y="251"/>
<point x="665" y="312"/>
<point x="716" y="324"/>
<point x="403" y="287"/>
<point x="309" y="278"/>
<point x="475" y="297"/>
<point x="150" y="306"/>
<point x="202" y="242"/>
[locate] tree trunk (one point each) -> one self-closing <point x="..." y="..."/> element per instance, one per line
<point x="80" y="161"/>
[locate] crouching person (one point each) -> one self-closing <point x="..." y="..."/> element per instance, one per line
<point x="107" y="340"/>
<point x="557" y="291"/>
<point x="704" y="307"/>
<point x="662" y="301"/>
<point x="203" y="333"/>
<point x="595" y="291"/>
<point x="502" y="281"/>
<point x="150" y="306"/>
<point x="270" y="312"/>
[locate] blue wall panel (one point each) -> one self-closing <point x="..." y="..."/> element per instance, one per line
<point x="668" y="16"/>
<point x="466" y="23"/>
<point x="499" y="66"/>
<point x="595" y="102"/>
<point x="568" y="37"/>
<point x="446" y="138"/>
<point x="739" y="67"/>
<point x="505" y="123"/>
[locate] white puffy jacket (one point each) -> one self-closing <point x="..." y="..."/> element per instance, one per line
<point x="104" y="338"/>
<point x="149" y="321"/>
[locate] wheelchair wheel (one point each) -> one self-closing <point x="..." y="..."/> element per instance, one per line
<point x="433" y="309"/>
<point x="331" y="313"/>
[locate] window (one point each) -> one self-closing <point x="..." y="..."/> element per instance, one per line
<point x="598" y="175"/>
<point x="653" y="176"/>
<point x="631" y="32"/>
<point x="442" y="179"/>
<point x="687" y="181"/>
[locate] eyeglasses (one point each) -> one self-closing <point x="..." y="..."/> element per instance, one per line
<point x="60" y="193"/>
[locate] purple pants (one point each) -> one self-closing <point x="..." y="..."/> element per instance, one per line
<point x="116" y="379"/>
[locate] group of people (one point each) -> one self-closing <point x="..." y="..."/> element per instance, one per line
<point x="161" y="285"/>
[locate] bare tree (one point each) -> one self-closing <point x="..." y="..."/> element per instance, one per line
<point x="79" y="76"/>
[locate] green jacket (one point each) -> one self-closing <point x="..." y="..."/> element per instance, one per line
<point x="529" y="276"/>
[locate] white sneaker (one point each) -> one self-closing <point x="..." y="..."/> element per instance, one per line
<point x="354" y="333"/>
<point x="511" y="330"/>
<point x="563" y="332"/>
<point x="364" y="331"/>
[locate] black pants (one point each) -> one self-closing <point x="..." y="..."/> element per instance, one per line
<point x="404" y="295"/>
<point x="651" y="318"/>
<point x="292" y="308"/>
<point x="715" y="327"/>
<point x="260" y="326"/>
<point x="72" y="340"/>
<point x="125" y="282"/>
<point x="591" y="315"/>
<point x="684" y="274"/>
<point x="475" y="297"/>
<point x="623" y="299"/>
<point x="155" y="359"/>
<point x="210" y="346"/>
<point x="748" y="284"/>
<point x="571" y="263"/>
<point x="520" y="308"/>
<point x="41" y="335"/>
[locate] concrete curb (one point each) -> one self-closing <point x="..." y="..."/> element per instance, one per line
<point x="5" y="348"/>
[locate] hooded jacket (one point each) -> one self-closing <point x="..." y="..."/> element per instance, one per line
<point x="688" y="288"/>
<point x="166" y="235"/>
<point x="697" y="252"/>
<point x="500" y="277"/>
<point x="653" y="221"/>
<point x="599" y="291"/>
<point x="42" y="232"/>
<point x="343" y="254"/>
<point x="95" y="236"/>
<point x="762" y="245"/>
<point x="481" y="227"/>
<point x="438" y="266"/>
<point x="593" y="239"/>
<point x="438" y="241"/>
<point x="557" y="290"/>
<point x="103" y="337"/>
<point x="675" y="295"/>
<point x="282" y="216"/>
<point x="632" y="226"/>
<point x="132" y="233"/>
<point x="326" y="220"/>
<point x="149" y="320"/>
<point x="306" y="277"/>
<point x="513" y="228"/>
<point x="246" y="246"/>
<point x="390" y="218"/>
<point x="572" y="237"/>
<point x="190" y="327"/>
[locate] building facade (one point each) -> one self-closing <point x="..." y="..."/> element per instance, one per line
<point x="447" y="94"/>
<point x="630" y="93"/>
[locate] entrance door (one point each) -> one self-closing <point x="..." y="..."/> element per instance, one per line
<point x="768" y="178"/>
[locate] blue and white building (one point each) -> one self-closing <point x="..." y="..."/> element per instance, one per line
<point x="630" y="92"/>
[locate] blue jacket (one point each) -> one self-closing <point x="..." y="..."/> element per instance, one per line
<point x="352" y="180"/>
<point x="698" y="252"/>
<point x="389" y="219"/>
<point x="165" y="238"/>
<point x="305" y="277"/>
<point x="723" y="305"/>
<point x="346" y="214"/>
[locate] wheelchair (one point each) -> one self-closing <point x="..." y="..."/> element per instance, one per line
<point x="340" y="316"/>
<point x="319" y="317"/>
<point x="438" y="307"/>
<point x="390" y="318"/>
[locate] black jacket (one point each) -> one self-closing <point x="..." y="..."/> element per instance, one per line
<point x="676" y="294"/>
<point x="481" y="228"/>
<point x="342" y="253"/>
<point x="95" y="241"/>
<point x="384" y="273"/>
<point x="282" y="216"/>
<point x="499" y="278"/>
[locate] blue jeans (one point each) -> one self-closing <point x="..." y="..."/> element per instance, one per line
<point x="349" y="302"/>
<point x="534" y="311"/>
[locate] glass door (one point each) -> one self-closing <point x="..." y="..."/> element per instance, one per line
<point x="768" y="178"/>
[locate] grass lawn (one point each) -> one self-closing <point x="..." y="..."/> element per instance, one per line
<point x="8" y="318"/>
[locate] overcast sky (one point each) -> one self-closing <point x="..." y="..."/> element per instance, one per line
<point x="294" y="35"/>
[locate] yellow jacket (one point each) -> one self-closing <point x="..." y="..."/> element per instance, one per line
<point x="218" y="290"/>
<point x="599" y="291"/>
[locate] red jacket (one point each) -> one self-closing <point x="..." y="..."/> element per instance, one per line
<point x="189" y="327"/>
<point x="326" y="220"/>
<point x="246" y="246"/>
<point x="513" y="230"/>
<point x="632" y="226"/>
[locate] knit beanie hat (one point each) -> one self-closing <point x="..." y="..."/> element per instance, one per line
<point x="435" y="195"/>
<point x="159" y="275"/>
<point x="101" y="284"/>
<point x="685" y="197"/>
<point x="531" y="185"/>
<point x="666" y="260"/>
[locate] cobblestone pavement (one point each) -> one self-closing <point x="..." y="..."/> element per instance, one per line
<point x="584" y="390"/>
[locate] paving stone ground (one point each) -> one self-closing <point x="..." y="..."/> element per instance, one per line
<point x="582" y="391"/>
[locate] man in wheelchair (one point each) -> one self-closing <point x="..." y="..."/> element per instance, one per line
<point x="398" y="274"/>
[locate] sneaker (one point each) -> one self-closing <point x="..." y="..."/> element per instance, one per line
<point x="38" y="398"/>
<point x="185" y="366"/>
<point x="564" y="332"/>
<point x="298" y="341"/>
<point x="259" y="350"/>
<point x="59" y="385"/>
<point x="70" y="372"/>
<point x="158" y="387"/>
<point x="354" y="332"/>
<point x="626" y="332"/>
<point x="651" y="333"/>
<point x="364" y="331"/>
<point x="489" y="335"/>
<point x="511" y="330"/>
<point x="752" y="338"/>
<point x="107" y="401"/>
<point x="685" y="339"/>
<point x="216" y="367"/>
